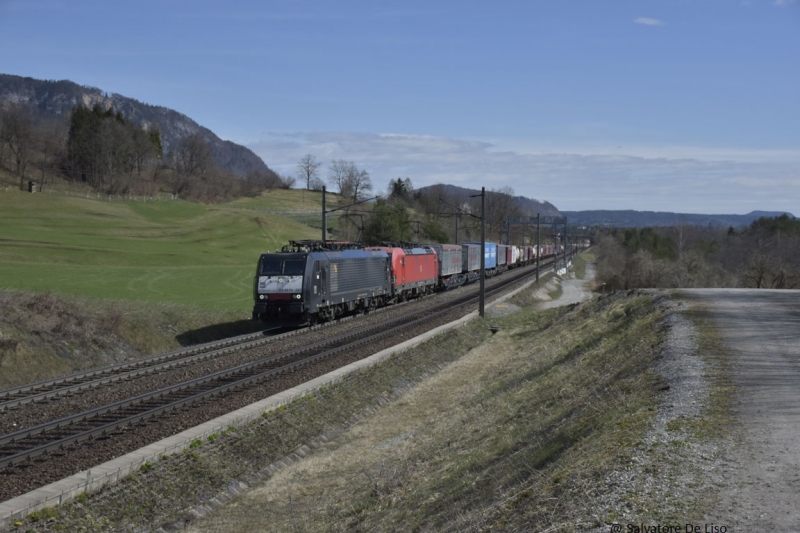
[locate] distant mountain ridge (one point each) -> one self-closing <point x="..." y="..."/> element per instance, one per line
<point x="58" y="98"/>
<point x="527" y="206"/>
<point x="628" y="218"/>
<point x="642" y="219"/>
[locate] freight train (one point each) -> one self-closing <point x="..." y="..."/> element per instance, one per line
<point x="306" y="283"/>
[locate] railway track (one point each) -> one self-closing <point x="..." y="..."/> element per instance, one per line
<point x="82" y="381"/>
<point x="25" y="448"/>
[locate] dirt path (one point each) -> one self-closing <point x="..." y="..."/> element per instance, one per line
<point x="573" y="290"/>
<point x="761" y="330"/>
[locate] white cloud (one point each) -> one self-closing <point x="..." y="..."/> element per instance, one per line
<point x="688" y="179"/>
<point x="649" y="21"/>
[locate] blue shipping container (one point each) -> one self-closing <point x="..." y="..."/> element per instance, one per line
<point x="490" y="254"/>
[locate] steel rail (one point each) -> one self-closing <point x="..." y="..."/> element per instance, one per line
<point x="79" y="381"/>
<point x="98" y="411"/>
<point x="235" y="377"/>
<point x="246" y="377"/>
<point x="86" y="380"/>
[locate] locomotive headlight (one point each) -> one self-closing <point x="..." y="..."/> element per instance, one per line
<point x="262" y="296"/>
<point x="296" y="296"/>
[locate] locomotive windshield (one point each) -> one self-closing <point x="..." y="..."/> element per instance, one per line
<point x="275" y="266"/>
<point x="293" y="267"/>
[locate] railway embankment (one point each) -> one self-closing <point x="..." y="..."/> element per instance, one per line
<point x="46" y="335"/>
<point x="576" y="417"/>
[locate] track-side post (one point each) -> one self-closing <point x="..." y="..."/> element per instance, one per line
<point x="482" y="290"/>
<point x="324" y="218"/>
<point x="482" y="300"/>
<point x="566" y="243"/>
<point x="538" y="247"/>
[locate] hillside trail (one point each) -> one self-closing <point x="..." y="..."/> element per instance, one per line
<point x="573" y="290"/>
<point x="760" y="330"/>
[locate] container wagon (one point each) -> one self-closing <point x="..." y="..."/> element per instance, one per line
<point x="471" y="261"/>
<point x="502" y="256"/>
<point x="490" y="256"/>
<point x="451" y="265"/>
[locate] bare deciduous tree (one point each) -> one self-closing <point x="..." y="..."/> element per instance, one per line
<point x="146" y="151"/>
<point x="359" y="183"/>
<point x="337" y="173"/>
<point x="308" y="170"/>
<point x="16" y="132"/>
<point x="435" y="201"/>
<point x="116" y="150"/>
<point x="499" y="205"/>
<point x="192" y="157"/>
<point x="287" y="182"/>
<point x="52" y="143"/>
<point x="317" y="184"/>
<point x="351" y="181"/>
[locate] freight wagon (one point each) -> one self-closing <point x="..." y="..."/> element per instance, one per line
<point x="502" y="257"/>
<point x="451" y="265"/>
<point x="490" y="256"/>
<point x="471" y="254"/>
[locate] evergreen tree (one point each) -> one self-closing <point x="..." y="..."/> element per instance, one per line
<point x="435" y="232"/>
<point x="108" y="152"/>
<point x="389" y="221"/>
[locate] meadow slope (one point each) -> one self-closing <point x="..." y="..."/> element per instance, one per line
<point x="164" y="251"/>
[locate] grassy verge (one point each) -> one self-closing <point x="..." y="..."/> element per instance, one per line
<point x="519" y="431"/>
<point x="285" y="200"/>
<point x="579" y="264"/>
<point x="500" y="432"/>
<point x="718" y="418"/>
<point x="556" y="292"/>
<point x="717" y="430"/>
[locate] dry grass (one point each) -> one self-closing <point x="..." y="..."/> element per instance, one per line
<point x="717" y="428"/>
<point x="537" y="292"/>
<point x="517" y="434"/>
<point x="579" y="263"/>
<point x="518" y="431"/>
<point x="45" y="335"/>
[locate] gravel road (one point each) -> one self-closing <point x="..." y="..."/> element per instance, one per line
<point x="761" y="331"/>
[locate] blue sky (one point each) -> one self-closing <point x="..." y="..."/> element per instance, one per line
<point x="687" y="106"/>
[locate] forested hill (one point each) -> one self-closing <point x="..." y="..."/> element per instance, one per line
<point x="643" y="219"/>
<point x="58" y="98"/>
<point x="524" y="206"/>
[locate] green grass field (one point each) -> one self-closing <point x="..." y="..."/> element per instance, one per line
<point x="160" y="251"/>
<point x="285" y="199"/>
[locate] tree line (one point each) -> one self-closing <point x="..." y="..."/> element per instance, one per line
<point x="105" y="151"/>
<point x="403" y="214"/>
<point x="764" y="255"/>
<point x="100" y="148"/>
